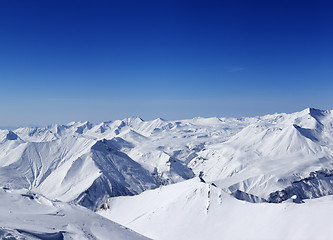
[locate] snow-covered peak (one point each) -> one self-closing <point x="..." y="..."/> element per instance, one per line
<point x="132" y="121"/>
<point x="8" y="135"/>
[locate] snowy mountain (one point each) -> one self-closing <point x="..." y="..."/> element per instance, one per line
<point x="87" y="163"/>
<point x="269" y="159"/>
<point x="272" y="155"/>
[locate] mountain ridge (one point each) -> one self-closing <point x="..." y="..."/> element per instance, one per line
<point x="87" y="163"/>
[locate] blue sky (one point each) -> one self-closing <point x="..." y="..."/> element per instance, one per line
<point x="103" y="60"/>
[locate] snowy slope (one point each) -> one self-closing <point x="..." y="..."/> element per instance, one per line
<point x="197" y="210"/>
<point x="25" y="215"/>
<point x="67" y="168"/>
<point x="272" y="154"/>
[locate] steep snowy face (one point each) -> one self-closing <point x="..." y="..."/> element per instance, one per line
<point x="119" y="175"/>
<point x="73" y="168"/>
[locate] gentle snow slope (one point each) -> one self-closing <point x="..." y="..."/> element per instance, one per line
<point x="197" y="210"/>
<point x="30" y="216"/>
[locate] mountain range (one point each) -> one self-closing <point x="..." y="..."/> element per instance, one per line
<point x="265" y="162"/>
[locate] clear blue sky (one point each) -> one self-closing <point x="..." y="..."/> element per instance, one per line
<point x="103" y="60"/>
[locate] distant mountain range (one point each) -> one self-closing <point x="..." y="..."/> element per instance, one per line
<point x="272" y="158"/>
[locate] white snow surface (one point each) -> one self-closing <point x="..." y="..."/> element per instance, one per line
<point x="25" y="215"/>
<point x="196" y="210"/>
